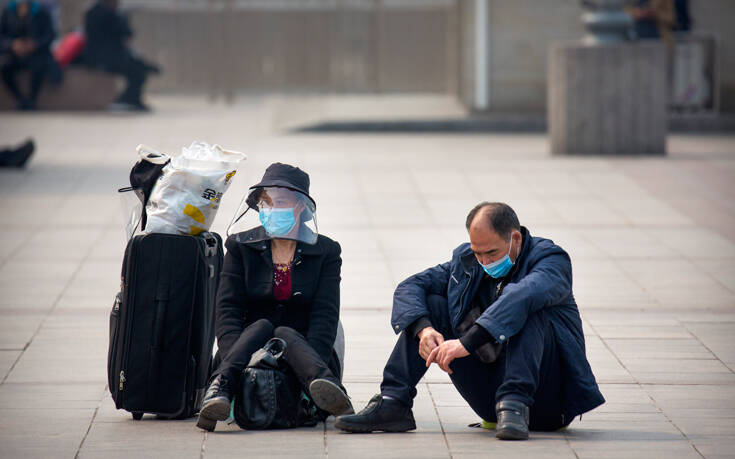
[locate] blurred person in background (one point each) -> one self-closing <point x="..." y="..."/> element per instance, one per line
<point x="26" y="33"/>
<point x="654" y="19"/>
<point x="107" y="33"/>
<point x="683" y="18"/>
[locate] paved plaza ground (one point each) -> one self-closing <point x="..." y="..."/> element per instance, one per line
<point x="652" y="242"/>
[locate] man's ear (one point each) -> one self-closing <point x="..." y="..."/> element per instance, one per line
<point x="517" y="240"/>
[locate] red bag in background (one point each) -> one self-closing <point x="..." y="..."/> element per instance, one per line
<point x="69" y="48"/>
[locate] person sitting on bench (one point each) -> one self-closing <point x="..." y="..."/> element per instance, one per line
<point x="26" y="33"/>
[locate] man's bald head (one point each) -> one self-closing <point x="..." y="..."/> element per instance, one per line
<point x="497" y="216"/>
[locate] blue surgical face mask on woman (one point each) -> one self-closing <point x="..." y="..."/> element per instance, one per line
<point x="499" y="268"/>
<point x="277" y="222"/>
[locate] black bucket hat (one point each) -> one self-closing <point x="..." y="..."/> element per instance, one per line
<point x="282" y="175"/>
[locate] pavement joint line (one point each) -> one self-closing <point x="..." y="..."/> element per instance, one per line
<point x="326" y="444"/>
<point x="17" y="249"/>
<point x="202" y="448"/>
<point x="89" y="427"/>
<point x="54" y="304"/>
<point x="717" y="281"/>
<point x="683" y="324"/>
<point x="569" y="443"/>
<point x="441" y="424"/>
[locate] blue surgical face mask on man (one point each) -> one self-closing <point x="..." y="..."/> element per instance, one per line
<point x="499" y="268"/>
<point x="277" y="222"/>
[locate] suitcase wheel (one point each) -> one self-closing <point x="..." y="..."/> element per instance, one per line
<point x="137" y="415"/>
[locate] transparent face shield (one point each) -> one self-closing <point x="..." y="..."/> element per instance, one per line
<point x="131" y="210"/>
<point x="274" y="213"/>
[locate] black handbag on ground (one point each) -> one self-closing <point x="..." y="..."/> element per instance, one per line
<point x="488" y="352"/>
<point x="269" y="396"/>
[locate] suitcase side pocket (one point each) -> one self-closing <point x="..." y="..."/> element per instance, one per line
<point x="112" y="347"/>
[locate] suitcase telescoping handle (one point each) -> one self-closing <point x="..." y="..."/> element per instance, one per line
<point x="211" y="244"/>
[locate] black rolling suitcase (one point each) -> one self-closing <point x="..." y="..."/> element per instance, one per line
<point x="162" y="324"/>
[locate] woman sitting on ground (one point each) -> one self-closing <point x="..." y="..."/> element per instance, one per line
<point x="280" y="279"/>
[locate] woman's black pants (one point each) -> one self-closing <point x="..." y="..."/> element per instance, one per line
<point x="305" y="362"/>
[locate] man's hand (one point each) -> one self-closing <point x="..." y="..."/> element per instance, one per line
<point x="30" y="46"/>
<point x="443" y="354"/>
<point x="18" y="47"/>
<point x="22" y="47"/>
<point x="428" y="340"/>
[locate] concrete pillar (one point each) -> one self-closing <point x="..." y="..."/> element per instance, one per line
<point x="608" y="99"/>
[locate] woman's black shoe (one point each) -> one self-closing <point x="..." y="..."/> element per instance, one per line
<point x="380" y="414"/>
<point x="216" y="404"/>
<point x="330" y="397"/>
<point x="512" y="420"/>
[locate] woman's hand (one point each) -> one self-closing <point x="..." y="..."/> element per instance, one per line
<point x="443" y="354"/>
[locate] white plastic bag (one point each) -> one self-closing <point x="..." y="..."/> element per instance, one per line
<point x="186" y="197"/>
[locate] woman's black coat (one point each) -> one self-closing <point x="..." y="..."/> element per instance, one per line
<point x="246" y="292"/>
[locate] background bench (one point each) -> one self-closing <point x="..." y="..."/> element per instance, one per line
<point x="82" y="89"/>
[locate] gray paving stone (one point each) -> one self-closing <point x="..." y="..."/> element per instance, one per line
<point x="39" y="432"/>
<point x="696" y="243"/>
<point x="586" y="211"/>
<point x="622" y="243"/>
<point x="648" y="211"/>
<point x="143" y="438"/>
<point x="722" y="270"/>
<point x="484" y="444"/>
<point x="50" y="396"/>
<point x="709" y="378"/>
<point x="642" y="331"/>
<point x="7" y="359"/>
<point x="664" y="349"/>
<point x="607" y="367"/>
<point x="718" y="337"/>
<point x="303" y="442"/>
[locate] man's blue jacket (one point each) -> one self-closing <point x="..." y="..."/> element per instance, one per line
<point x="540" y="279"/>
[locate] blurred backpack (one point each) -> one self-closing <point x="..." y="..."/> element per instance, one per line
<point x="69" y="48"/>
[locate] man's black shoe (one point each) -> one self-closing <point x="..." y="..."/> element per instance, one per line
<point x="216" y="404"/>
<point x="380" y="414"/>
<point x="512" y="420"/>
<point x="330" y="397"/>
<point x="141" y="107"/>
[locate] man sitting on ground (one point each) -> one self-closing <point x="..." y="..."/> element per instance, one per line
<point x="501" y="319"/>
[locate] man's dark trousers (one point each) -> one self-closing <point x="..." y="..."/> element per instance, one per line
<point x="37" y="64"/>
<point x="528" y="370"/>
<point x="135" y="72"/>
